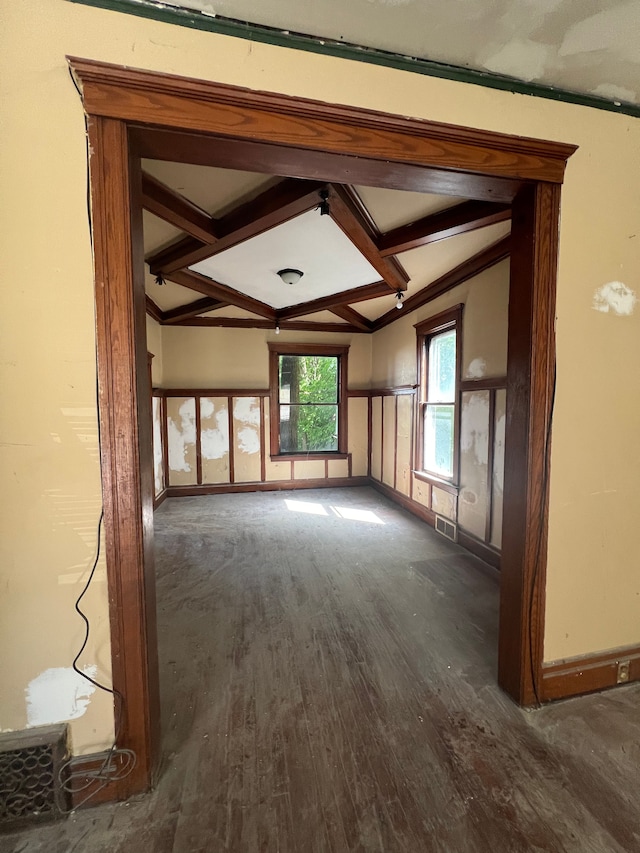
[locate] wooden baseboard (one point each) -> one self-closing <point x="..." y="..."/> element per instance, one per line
<point x="267" y="486"/>
<point x="410" y="505"/>
<point x="96" y="792"/>
<point x="589" y="673"/>
<point x="160" y="499"/>
<point x="480" y="549"/>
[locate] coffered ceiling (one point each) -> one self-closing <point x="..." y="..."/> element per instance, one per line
<point x="215" y="240"/>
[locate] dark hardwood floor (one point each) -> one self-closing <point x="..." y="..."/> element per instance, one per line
<point x="329" y="684"/>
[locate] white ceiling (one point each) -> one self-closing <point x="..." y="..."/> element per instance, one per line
<point x="586" y="46"/>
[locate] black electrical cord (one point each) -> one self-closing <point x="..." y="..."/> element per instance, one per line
<point x="541" y="531"/>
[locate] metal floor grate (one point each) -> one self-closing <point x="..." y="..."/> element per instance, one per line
<point x="30" y="763"/>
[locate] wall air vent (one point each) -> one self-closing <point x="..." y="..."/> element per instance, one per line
<point x="447" y="528"/>
<point x="30" y="784"/>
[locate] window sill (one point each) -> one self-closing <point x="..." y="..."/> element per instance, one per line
<point x="304" y="457"/>
<point x="445" y="485"/>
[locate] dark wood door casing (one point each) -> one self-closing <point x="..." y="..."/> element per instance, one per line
<point x="138" y="113"/>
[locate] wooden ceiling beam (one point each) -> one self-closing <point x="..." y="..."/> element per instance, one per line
<point x="152" y="309"/>
<point x="177" y="210"/>
<point x="327" y="303"/>
<point x="468" y="216"/>
<point x="348" y="214"/>
<point x="473" y="266"/>
<point x="250" y="323"/>
<point x="346" y="312"/>
<point x="184" y="312"/>
<point x="287" y="199"/>
<point x="220" y="292"/>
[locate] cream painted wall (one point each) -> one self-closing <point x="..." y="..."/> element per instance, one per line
<point x="196" y="357"/>
<point x="484" y="331"/>
<point x="48" y="439"/>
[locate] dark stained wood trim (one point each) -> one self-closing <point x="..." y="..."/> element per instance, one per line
<point x="346" y="312"/>
<point x="393" y="391"/>
<point x="410" y="505"/>
<point x="491" y="441"/>
<point x="276" y="205"/>
<point x="530" y="382"/>
<point x="308" y="457"/>
<point x="198" y="407"/>
<point x="192" y="309"/>
<point x="218" y="291"/>
<point x="160" y="499"/>
<point x="369" y="433"/>
<point x="279" y="135"/>
<point x="202" y="149"/>
<point x="267" y="486"/>
<point x="359" y="392"/>
<point x="345" y="297"/>
<point x="214" y="392"/>
<point x="468" y="216"/>
<point x="480" y="549"/>
<point x="589" y="673"/>
<point x="152" y="309"/>
<point x="444" y="485"/>
<point x="263" y="446"/>
<point x="412" y="436"/>
<point x="395" y="441"/>
<point x="480" y="262"/>
<point x="486" y="383"/>
<point x="126" y="443"/>
<point x="232" y="448"/>
<point x="174" y="208"/>
<point x="293" y="326"/>
<point x="196" y="105"/>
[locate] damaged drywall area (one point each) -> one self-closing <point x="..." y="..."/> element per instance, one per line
<point x="246" y="439"/>
<point x="158" y="452"/>
<point x="181" y="440"/>
<point x="214" y="439"/>
<point x="616" y="298"/>
<point x="474" y="460"/>
<point x="58" y="695"/>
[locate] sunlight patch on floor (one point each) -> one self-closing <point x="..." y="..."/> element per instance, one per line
<point x="347" y="513"/>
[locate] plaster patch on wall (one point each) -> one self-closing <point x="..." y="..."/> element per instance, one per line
<point x="179" y="436"/>
<point x="498" y="455"/>
<point x="474" y="426"/>
<point x="614" y="93"/>
<point x="249" y="440"/>
<point x="521" y="58"/>
<point x="59" y="694"/>
<point x="477" y="368"/>
<point x="158" y="466"/>
<point x="246" y="410"/>
<point x="214" y="442"/>
<point x="615" y="298"/>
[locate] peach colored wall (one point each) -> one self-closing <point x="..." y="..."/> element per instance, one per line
<point x="48" y="450"/>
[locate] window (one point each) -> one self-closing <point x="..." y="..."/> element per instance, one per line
<point x="438" y="364"/>
<point x="308" y="385"/>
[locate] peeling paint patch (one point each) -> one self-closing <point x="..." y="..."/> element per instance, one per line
<point x="614" y="29"/>
<point x="249" y="440"/>
<point x="615" y="298"/>
<point x="59" y="694"/>
<point x="181" y="435"/>
<point x="474" y="427"/>
<point x="477" y="368"/>
<point x="158" y="469"/>
<point x="614" y="93"/>
<point x="214" y="442"/>
<point x="246" y="410"/>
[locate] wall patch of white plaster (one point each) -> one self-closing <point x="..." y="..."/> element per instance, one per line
<point x="477" y="368"/>
<point x="158" y="468"/>
<point x="615" y="30"/>
<point x="615" y="298"/>
<point x="474" y="426"/>
<point x="498" y="455"/>
<point x="214" y="442"/>
<point x="249" y="440"/>
<point x="246" y="410"/>
<point x="613" y="92"/>
<point x="179" y="436"/>
<point x="521" y="58"/>
<point x="59" y="694"/>
<point x="206" y="407"/>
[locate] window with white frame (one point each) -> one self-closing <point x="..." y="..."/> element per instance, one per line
<point x="438" y="403"/>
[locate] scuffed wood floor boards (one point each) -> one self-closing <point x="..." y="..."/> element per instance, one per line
<point x="329" y="685"/>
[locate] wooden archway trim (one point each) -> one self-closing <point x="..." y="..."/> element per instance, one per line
<point x="138" y="113"/>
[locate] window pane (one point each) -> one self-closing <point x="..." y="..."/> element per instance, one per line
<point x="306" y="429"/>
<point x="442" y="368"/>
<point x="438" y="439"/>
<point x="308" y="379"/>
